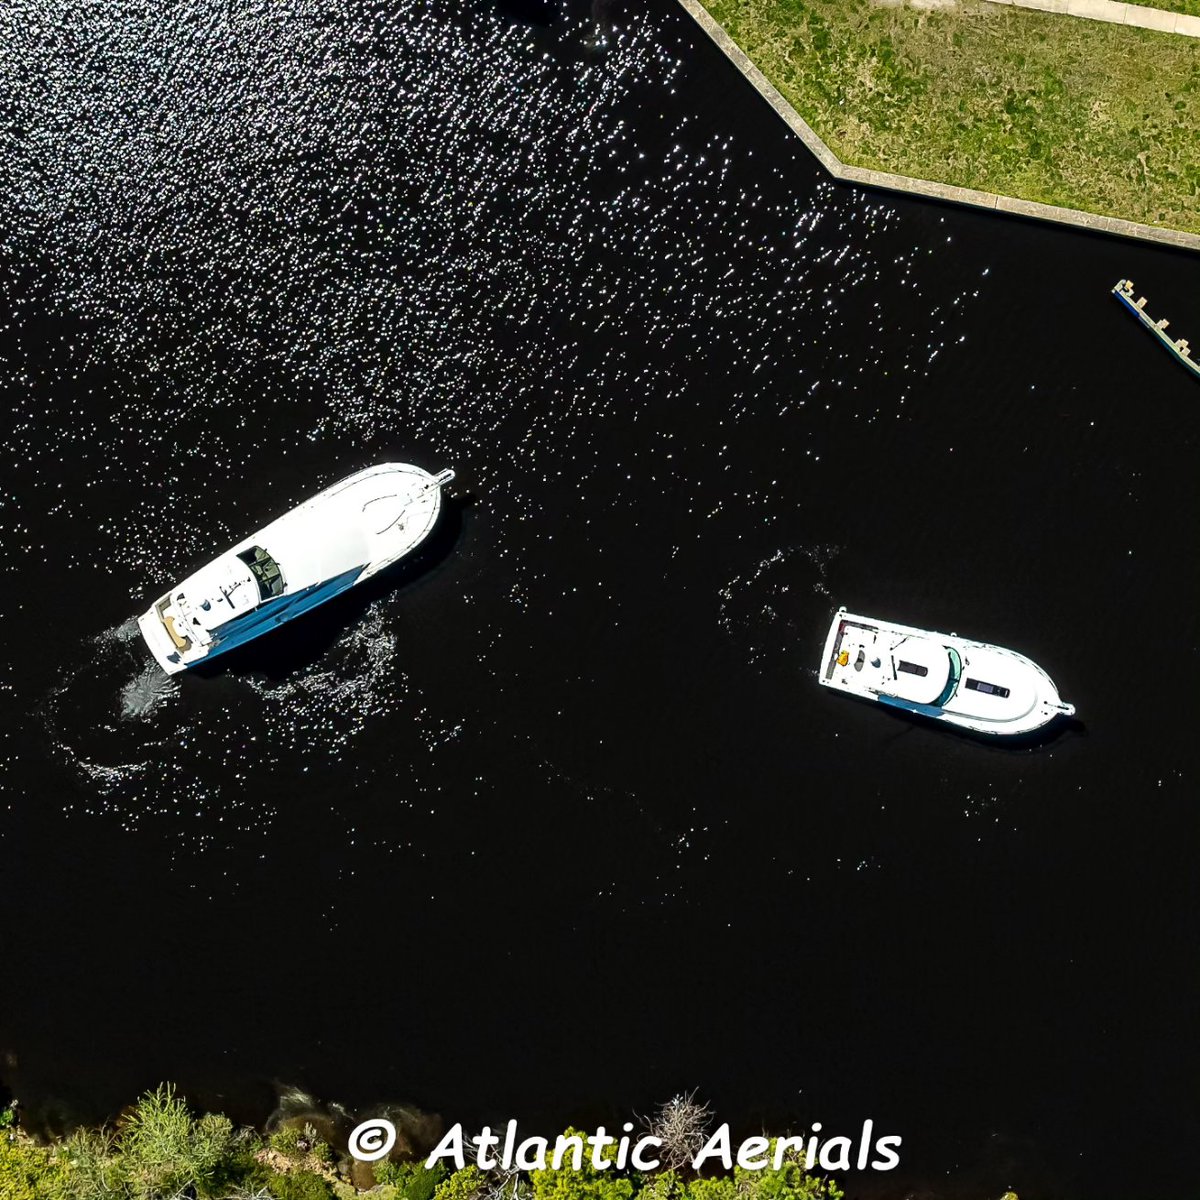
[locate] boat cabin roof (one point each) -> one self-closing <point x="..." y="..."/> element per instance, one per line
<point x="917" y="669"/>
<point x="311" y="548"/>
<point x="218" y="592"/>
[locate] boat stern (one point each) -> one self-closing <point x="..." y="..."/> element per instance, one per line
<point x="832" y="640"/>
<point x="167" y="647"/>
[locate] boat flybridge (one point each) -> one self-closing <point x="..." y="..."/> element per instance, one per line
<point x="987" y="689"/>
<point x="342" y="536"/>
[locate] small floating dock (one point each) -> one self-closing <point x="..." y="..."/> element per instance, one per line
<point x="1179" y="349"/>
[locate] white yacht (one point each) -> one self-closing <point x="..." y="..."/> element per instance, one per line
<point x="987" y="689"/>
<point x="342" y="536"/>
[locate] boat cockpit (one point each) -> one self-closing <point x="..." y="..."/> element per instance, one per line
<point x="266" y="572"/>
<point x="955" y="675"/>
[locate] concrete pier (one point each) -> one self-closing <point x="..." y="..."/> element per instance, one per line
<point x="1178" y="348"/>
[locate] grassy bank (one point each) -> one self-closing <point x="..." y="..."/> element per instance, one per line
<point x="161" y="1150"/>
<point x="1040" y="106"/>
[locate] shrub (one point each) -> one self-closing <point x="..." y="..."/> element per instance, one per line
<point x="287" y="1141"/>
<point x="412" y="1181"/>
<point x="299" y="1185"/>
<point x="790" y="1182"/>
<point x="299" y="1143"/>
<point x="29" y="1172"/>
<point x="239" y="1171"/>
<point x="466" y="1184"/>
<point x="163" y="1150"/>
<point x="681" y="1126"/>
<point x="585" y="1184"/>
<point x="90" y="1159"/>
<point x="662" y="1185"/>
<point x="712" y="1189"/>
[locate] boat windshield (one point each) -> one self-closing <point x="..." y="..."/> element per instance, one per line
<point x="952" y="680"/>
<point x="265" y="570"/>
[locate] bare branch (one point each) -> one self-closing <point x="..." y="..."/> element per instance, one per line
<point x="682" y="1125"/>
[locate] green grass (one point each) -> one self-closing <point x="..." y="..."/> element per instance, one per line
<point x="1040" y="106"/>
<point x="1190" y="7"/>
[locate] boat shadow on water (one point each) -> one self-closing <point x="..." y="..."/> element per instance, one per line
<point x="1055" y="733"/>
<point x="300" y="644"/>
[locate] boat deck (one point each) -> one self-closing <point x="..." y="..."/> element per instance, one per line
<point x="877" y="660"/>
<point x="182" y="642"/>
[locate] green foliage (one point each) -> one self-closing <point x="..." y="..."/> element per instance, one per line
<point x="663" y="1185"/>
<point x="711" y="1189"/>
<point x="288" y="1141"/>
<point x="585" y="1184"/>
<point x="300" y="1144"/>
<point x="299" y="1185"/>
<point x="29" y="1172"/>
<point x="158" y="1128"/>
<point x="1190" y="8"/>
<point x="212" y="1142"/>
<point x="92" y="1163"/>
<point x="162" y="1149"/>
<point x="8" y="1118"/>
<point x="466" y="1184"/>
<point x="238" y="1170"/>
<point x="411" y="1180"/>
<point x="767" y="1184"/>
<point x="790" y="1182"/>
<point x="387" y="1171"/>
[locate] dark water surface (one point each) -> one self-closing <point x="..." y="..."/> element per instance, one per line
<point x="557" y="822"/>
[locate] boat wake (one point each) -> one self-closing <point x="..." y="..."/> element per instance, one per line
<point x="782" y="598"/>
<point x="417" y="1131"/>
<point x="115" y="653"/>
<point x="89" y="713"/>
<point x="146" y="748"/>
<point x="146" y="691"/>
<point x="327" y="707"/>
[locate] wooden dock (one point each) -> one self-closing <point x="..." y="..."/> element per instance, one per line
<point x="1179" y="349"/>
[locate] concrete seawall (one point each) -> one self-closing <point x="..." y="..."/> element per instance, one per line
<point x="1141" y="16"/>
<point x="925" y="188"/>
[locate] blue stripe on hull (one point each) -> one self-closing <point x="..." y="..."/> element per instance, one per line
<point x="926" y="710"/>
<point x="274" y="613"/>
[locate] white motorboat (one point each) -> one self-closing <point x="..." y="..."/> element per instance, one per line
<point x="342" y="536"/>
<point x="972" y="685"/>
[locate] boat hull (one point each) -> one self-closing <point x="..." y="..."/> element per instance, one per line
<point x="337" y="539"/>
<point x="942" y="677"/>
